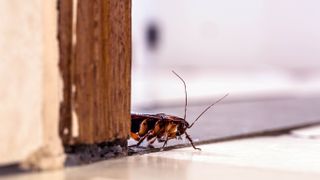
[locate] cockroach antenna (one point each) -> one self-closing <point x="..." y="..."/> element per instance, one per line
<point x="186" y="96"/>
<point x="208" y="109"/>
<point x="165" y="127"/>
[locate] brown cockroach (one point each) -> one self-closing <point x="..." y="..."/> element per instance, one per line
<point x="163" y="127"/>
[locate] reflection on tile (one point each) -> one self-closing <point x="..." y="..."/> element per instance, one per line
<point x="283" y="157"/>
<point x="282" y="153"/>
<point x="312" y="132"/>
<point x="151" y="167"/>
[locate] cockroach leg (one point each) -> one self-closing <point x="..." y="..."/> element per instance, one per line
<point x="189" y="138"/>
<point x="151" y="141"/>
<point x="135" y="136"/>
<point x="164" y="144"/>
<point x="150" y="146"/>
<point x="144" y="137"/>
<point x="143" y="127"/>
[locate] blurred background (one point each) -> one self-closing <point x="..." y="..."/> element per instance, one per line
<point x="250" y="49"/>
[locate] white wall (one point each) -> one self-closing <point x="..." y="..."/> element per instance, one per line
<point x="30" y="85"/>
<point x="282" y="33"/>
<point x="21" y="78"/>
<point x="246" y="48"/>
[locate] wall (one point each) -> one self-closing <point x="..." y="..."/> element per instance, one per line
<point x="21" y="52"/>
<point x="29" y="81"/>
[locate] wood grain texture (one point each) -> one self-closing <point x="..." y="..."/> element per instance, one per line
<point x="65" y="59"/>
<point x="101" y="70"/>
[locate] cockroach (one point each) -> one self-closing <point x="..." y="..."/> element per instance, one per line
<point x="163" y="127"/>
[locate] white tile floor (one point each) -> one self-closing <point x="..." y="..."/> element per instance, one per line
<point x="292" y="156"/>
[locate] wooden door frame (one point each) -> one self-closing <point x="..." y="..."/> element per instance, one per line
<point x="95" y="63"/>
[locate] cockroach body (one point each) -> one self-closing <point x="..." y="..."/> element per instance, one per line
<point x="163" y="127"/>
<point x="158" y="126"/>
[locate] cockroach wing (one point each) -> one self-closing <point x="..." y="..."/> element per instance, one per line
<point x="136" y="120"/>
<point x="136" y="116"/>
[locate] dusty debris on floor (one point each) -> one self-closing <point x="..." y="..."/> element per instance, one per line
<point x="84" y="154"/>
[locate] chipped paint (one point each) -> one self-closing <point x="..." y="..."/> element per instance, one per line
<point x="73" y="88"/>
<point x="74" y="22"/>
<point x="75" y="125"/>
<point x="65" y="131"/>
